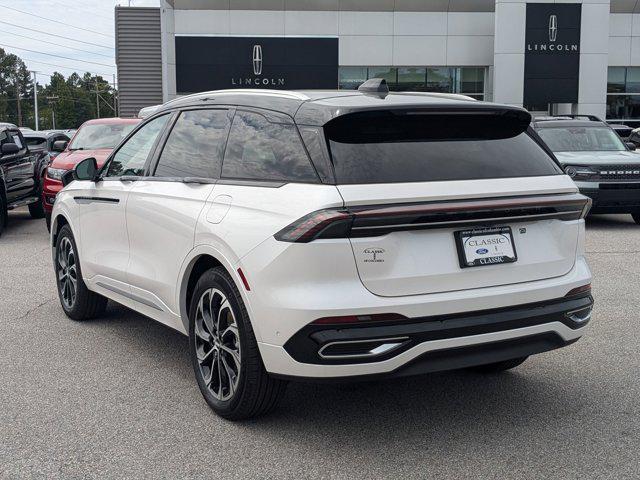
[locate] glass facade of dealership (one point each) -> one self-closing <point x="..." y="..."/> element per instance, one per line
<point x="623" y="92"/>
<point x="464" y="80"/>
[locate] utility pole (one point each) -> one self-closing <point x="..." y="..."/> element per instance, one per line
<point x="18" y="106"/>
<point x="97" y="99"/>
<point x="115" y="105"/>
<point x="35" y="98"/>
<point x="53" y="110"/>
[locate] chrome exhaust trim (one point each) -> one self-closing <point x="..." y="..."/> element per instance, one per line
<point x="380" y="346"/>
<point x="582" y="315"/>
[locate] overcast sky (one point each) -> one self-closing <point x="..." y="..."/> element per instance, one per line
<point x="95" y="15"/>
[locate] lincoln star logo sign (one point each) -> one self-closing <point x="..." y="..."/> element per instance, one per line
<point x="258" y="79"/>
<point x="553" y="28"/>
<point x="257" y="59"/>
<point x="552" y="46"/>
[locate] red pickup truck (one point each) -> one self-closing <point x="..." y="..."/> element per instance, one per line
<point x="95" y="138"/>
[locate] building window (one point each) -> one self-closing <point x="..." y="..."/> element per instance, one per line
<point x="464" y="80"/>
<point x="623" y="93"/>
<point x="412" y="79"/>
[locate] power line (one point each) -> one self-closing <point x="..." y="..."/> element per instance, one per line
<point x="75" y="7"/>
<point x="54" y="55"/>
<point x="56" y="21"/>
<point x="55" y="35"/>
<point x="58" y="44"/>
<point x="75" y="69"/>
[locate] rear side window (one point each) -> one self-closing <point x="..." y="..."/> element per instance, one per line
<point x="36" y="142"/>
<point x="260" y="150"/>
<point x="388" y="147"/>
<point x="195" y="145"/>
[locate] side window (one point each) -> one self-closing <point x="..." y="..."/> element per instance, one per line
<point x="260" y="150"/>
<point x="131" y="157"/>
<point x="195" y="145"/>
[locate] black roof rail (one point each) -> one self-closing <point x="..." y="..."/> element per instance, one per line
<point x="569" y="116"/>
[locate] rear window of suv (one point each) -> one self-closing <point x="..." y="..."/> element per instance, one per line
<point x="393" y="147"/>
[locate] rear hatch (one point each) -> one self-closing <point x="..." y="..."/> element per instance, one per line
<point x="452" y="201"/>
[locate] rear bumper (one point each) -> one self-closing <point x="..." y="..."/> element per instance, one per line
<point x="612" y="197"/>
<point x="432" y="344"/>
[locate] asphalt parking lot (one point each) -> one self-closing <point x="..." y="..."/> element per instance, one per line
<point x="116" y="398"/>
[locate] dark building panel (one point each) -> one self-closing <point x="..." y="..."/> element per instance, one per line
<point x="552" y="54"/>
<point x="211" y="63"/>
<point x="139" y="58"/>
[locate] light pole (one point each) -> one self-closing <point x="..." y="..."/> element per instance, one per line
<point x="35" y="97"/>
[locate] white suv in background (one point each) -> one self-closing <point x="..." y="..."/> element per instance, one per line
<point x="329" y="235"/>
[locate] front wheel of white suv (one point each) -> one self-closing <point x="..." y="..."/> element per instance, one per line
<point x="77" y="301"/>
<point x="636" y="217"/>
<point x="224" y="351"/>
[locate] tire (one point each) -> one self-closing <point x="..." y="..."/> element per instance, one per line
<point x="36" y="209"/>
<point x="636" y="217"/>
<point x="239" y="390"/>
<point x="498" y="366"/>
<point x="3" y="214"/>
<point x="77" y="301"/>
<point x="47" y="220"/>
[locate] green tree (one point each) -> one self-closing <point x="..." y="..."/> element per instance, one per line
<point x="15" y="87"/>
<point x="73" y="100"/>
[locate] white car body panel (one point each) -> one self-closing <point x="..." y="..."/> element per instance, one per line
<point x="105" y="251"/>
<point x="426" y="261"/>
<point x="161" y="221"/>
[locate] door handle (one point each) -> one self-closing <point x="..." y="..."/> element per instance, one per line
<point x="80" y="199"/>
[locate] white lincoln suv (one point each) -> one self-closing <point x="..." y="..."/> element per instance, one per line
<point x="329" y="235"/>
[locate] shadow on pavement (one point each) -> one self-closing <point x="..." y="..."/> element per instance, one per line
<point x="21" y="223"/>
<point x="604" y="221"/>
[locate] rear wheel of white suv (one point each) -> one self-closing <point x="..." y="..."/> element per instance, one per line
<point x="224" y="351"/>
<point x="636" y="217"/>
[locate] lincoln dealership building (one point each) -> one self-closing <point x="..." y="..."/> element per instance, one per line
<point x="557" y="56"/>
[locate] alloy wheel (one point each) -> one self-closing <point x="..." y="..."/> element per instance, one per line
<point x="67" y="272"/>
<point x="217" y="344"/>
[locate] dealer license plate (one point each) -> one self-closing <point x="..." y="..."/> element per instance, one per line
<point x="485" y="246"/>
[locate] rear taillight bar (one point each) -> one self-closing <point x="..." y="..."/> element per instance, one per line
<point x="378" y="220"/>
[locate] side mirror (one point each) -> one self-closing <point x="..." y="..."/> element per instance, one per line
<point x="630" y="145"/>
<point x="59" y="145"/>
<point x="10" y="148"/>
<point x="85" y="170"/>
